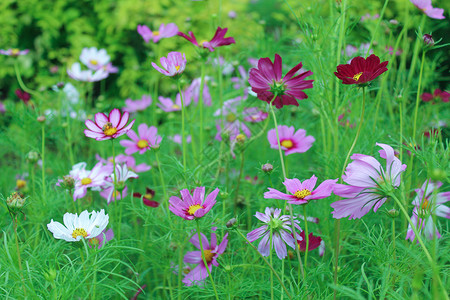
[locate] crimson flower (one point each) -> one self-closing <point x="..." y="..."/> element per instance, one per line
<point x="218" y="40"/>
<point x="437" y="96"/>
<point x="266" y="81"/>
<point x="360" y="70"/>
<point x="147" y="198"/>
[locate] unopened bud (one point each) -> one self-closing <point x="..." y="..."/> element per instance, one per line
<point x="393" y="213"/>
<point x="240" y="138"/>
<point x="50" y="275"/>
<point x="393" y="22"/>
<point x="15" y="200"/>
<point x="231" y="223"/>
<point x="32" y="157"/>
<point x="41" y="119"/>
<point x="438" y="175"/>
<point x="428" y="39"/>
<point x="267" y="168"/>
<point x="68" y="182"/>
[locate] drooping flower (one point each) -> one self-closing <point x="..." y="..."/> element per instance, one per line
<point x="360" y="71"/>
<point x="117" y="189"/>
<point x="137" y="105"/>
<point x="302" y="192"/>
<point x="210" y="250"/>
<point x="85" y="179"/>
<point x="87" y="226"/>
<point x="76" y="73"/>
<point x="94" y="59"/>
<point x="281" y="228"/>
<point x="428" y="9"/>
<point x="108" y="127"/>
<point x="191" y="207"/>
<point x="254" y="115"/>
<point x="369" y="184"/>
<point x="14" y="52"/>
<point x="218" y="40"/>
<point x="266" y="82"/>
<point x="168" y="105"/>
<point x="290" y="141"/>
<point x="147" y="139"/>
<point x="100" y="240"/>
<point x="164" y="31"/>
<point x="147" y="198"/>
<point x="436" y="97"/>
<point x="173" y="65"/>
<point x="426" y="204"/>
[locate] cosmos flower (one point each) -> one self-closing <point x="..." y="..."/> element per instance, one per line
<point x="164" y="31"/>
<point x="116" y="189"/>
<point x="100" y="240"/>
<point x="168" y="105"/>
<point x="174" y="64"/>
<point x="193" y="91"/>
<point x="241" y="81"/>
<point x="428" y="9"/>
<point x="369" y="184"/>
<point x="14" y="52"/>
<point x="290" y="142"/>
<point x="281" y="228"/>
<point x="76" y="73"/>
<point x="360" y="71"/>
<point x="218" y="40"/>
<point x="108" y="127"/>
<point x="210" y="250"/>
<point x="85" y="179"/>
<point x="147" y="198"/>
<point x="191" y="207"/>
<point x="436" y="97"/>
<point x="254" y="115"/>
<point x="313" y="242"/>
<point x="130" y="161"/>
<point x="94" y="59"/>
<point x="22" y="95"/>
<point x="148" y="138"/>
<point x="87" y="226"/>
<point x="302" y="192"/>
<point x="266" y="81"/>
<point x="137" y="105"/>
<point x="233" y="125"/>
<point x="177" y="138"/>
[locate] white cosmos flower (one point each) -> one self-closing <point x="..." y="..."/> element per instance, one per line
<point x="76" y="227"/>
<point x="76" y="73"/>
<point x="94" y="59"/>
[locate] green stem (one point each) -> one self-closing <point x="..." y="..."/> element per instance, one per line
<point x="20" y="81"/>
<point x="163" y="184"/>
<point x="200" y="103"/>
<point x="19" y="259"/>
<point x="183" y="134"/>
<point x="416" y="109"/>
<point x="238" y="184"/>
<point x="306" y="236"/>
<point x="271" y="263"/>
<point x="43" y="165"/>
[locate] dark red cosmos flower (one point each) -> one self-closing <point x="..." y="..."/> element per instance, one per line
<point x="314" y="242"/>
<point x="218" y="40"/>
<point x="24" y="96"/>
<point x="437" y="95"/>
<point x="266" y="81"/>
<point x="147" y="197"/>
<point x="361" y="71"/>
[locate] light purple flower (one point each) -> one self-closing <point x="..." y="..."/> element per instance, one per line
<point x="174" y="64"/>
<point x="108" y="127"/>
<point x="291" y="141"/>
<point x="130" y="161"/>
<point x="137" y="105"/>
<point x="195" y="206"/>
<point x="113" y="192"/>
<point x="254" y="115"/>
<point x="168" y="105"/>
<point x="148" y="138"/>
<point x="193" y="91"/>
<point x="85" y="179"/>
<point x="240" y="82"/>
<point x="14" y="52"/>
<point x="428" y="9"/>
<point x="2" y="107"/>
<point x="176" y="138"/>
<point x="101" y="239"/>
<point x="164" y="31"/>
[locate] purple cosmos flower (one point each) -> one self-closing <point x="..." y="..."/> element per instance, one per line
<point x="281" y="227"/>
<point x="14" y="52"/>
<point x="241" y="81"/>
<point x="168" y="105"/>
<point x="130" y="161"/>
<point x="290" y="142"/>
<point x="165" y="31"/>
<point x="302" y="192"/>
<point x="218" y="40"/>
<point x="108" y="127"/>
<point x="254" y="115"/>
<point x="368" y="182"/>
<point x="191" y="207"/>
<point x="148" y="138"/>
<point x="193" y="91"/>
<point x="174" y="64"/>
<point x="425" y="205"/>
<point x="101" y="239"/>
<point x="428" y="9"/>
<point x="85" y="179"/>
<point x="76" y="73"/>
<point x="369" y="17"/>
<point x="266" y="81"/>
<point x="137" y="105"/>
<point x="2" y="107"/>
<point x="210" y="250"/>
<point x="176" y="138"/>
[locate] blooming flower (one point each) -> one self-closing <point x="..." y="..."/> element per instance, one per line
<point x="137" y="105"/>
<point x="368" y="182"/>
<point x="254" y="115"/>
<point x="14" y="52"/>
<point x="436" y="97"/>
<point x="240" y="82"/>
<point x="76" y="73"/>
<point x="177" y="138"/>
<point x="174" y="64"/>
<point x="266" y="82"/>
<point x="302" y="192"/>
<point x="168" y="105"/>
<point x="428" y="9"/>
<point x="85" y="179"/>
<point x="218" y="40"/>
<point x="210" y="250"/>
<point x="290" y="142"/>
<point x="425" y="205"/>
<point x="193" y="91"/>
<point x="108" y="127"/>
<point x="87" y="226"/>
<point x="360" y="70"/>
<point x="116" y="189"/>
<point x="195" y="206"/>
<point x="148" y="138"/>
<point x="313" y="242"/>
<point x="147" y="197"/>
<point x="101" y="239"/>
<point x="164" y="31"/>
<point x="22" y="95"/>
<point x="281" y="228"/>
<point x="94" y="59"/>
<point x="130" y="161"/>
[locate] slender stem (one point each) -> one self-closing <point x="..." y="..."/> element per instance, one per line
<point x="19" y="79"/>
<point x="416" y="109"/>
<point x="183" y="134"/>
<point x="19" y="259"/>
<point x="204" y="259"/>
<point x="271" y="263"/>
<point x="163" y="184"/>
<point x="200" y="103"/>
<point x="238" y="184"/>
<point x="278" y="137"/>
<point x="43" y="165"/>
<point x="306" y="236"/>
<point x="180" y="270"/>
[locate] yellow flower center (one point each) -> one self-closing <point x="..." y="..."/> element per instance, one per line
<point x="202" y="42"/>
<point x="231" y="117"/>
<point x="86" y="181"/>
<point x="255" y="117"/>
<point x="208" y="255"/>
<point x="356" y="76"/>
<point x="20" y="183"/>
<point x="425" y="203"/>
<point x="177" y="68"/>
<point x="193" y="208"/>
<point x="78" y="232"/>
<point x="302" y="194"/>
<point x="148" y="196"/>
<point x="94" y="62"/>
<point x="15" y="51"/>
<point x="240" y="138"/>
<point x="155" y="32"/>
<point x="94" y="241"/>
<point x="115" y="194"/>
<point x="142" y="144"/>
<point x="108" y="129"/>
<point x="175" y="106"/>
<point x="287" y="144"/>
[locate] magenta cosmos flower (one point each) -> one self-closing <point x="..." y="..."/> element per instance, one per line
<point x="137" y="105"/>
<point x="369" y="184"/>
<point x="436" y="97"/>
<point x="164" y="31"/>
<point x="266" y="81"/>
<point x="14" y="52"/>
<point x="428" y="9"/>
<point x="174" y="64"/>
<point x="218" y="39"/>
<point x="191" y="207"/>
<point x="281" y="228"/>
<point x="108" y="127"/>
<point x="302" y="192"/>
<point x="291" y="142"/>
<point x="148" y="138"/>
<point x="425" y="206"/>
<point x="211" y="252"/>
<point x="101" y="239"/>
<point x="85" y="179"/>
<point x="360" y="71"/>
<point x="168" y="105"/>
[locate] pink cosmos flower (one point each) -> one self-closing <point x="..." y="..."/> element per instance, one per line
<point x="266" y="81"/>
<point x="168" y="105"/>
<point x="111" y="194"/>
<point x="94" y="59"/>
<point x="137" y="105"/>
<point x="302" y="192"/>
<point x="218" y="40"/>
<point x="174" y="64"/>
<point x="254" y="115"/>
<point x="210" y="250"/>
<point x="14" y="52"/>
<point x="290" y="142"/>
<point x="368" y="182"/>
<point x="2" y="107"/>
<point x="233" y="126"/>
<point x="148" y="138"/>
<point x="191" y="207"/>
<point x="108" y="127"/>
<point x="436" y="97"/>
<point x="281" y="228"/>
<point x="165" y="31"/>
<point x="130" y="161"/>
<point x="85" y="179"/>
<point x="176" y="138"/>
<point x="101" y="239"/>
<point x="428" y="9"/>
<point x="425" y="205"/>
<point x="193" y="91"/>
<point x="369" y="17"/>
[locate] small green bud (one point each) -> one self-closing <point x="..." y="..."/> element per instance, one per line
<point x="438" y="175"/>
<point x="15" y="201"/>
<point x="32" y="157"/>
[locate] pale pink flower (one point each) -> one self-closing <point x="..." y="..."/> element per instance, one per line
<point x="291" y="141"/>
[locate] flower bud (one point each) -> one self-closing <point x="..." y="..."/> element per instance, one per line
<point x="428" y="39"/>
<point x="68" y="182"/>
<point x="32" y="157"/>
<point x="50" y="275"/>
<point x="41" y="119"/>
<point x="231" y="223"/>
<point x="393" y="213"/>
<point x="15" y="200"/>
<point x="267" y="168"/>
<point x="438" y="175"/>
<point x="223" y="195"/>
